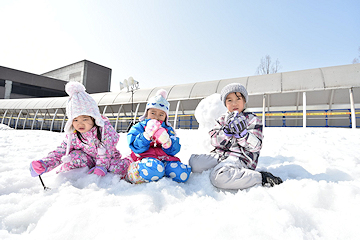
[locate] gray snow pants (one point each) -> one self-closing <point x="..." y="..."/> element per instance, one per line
<point x="227" y="174"/>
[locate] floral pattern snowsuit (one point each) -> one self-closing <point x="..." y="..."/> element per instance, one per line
<point x="86" y="153"/>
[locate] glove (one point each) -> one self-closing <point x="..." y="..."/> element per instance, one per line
<point x="236" y="125"/>
<point x="37" y="168"/>
<point x="162" y="136"/>
<point x="231" y="117"/>
<point x="151" y="127"/>
<point x="98" y="170"/>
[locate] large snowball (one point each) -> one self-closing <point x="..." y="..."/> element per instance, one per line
<point x="208" y="110"/>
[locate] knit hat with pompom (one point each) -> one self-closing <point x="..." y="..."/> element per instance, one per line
<point x="79" y="103"/>
<point x="159" y="102"/>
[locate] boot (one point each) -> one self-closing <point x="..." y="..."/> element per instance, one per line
<point x="269" y="179"/>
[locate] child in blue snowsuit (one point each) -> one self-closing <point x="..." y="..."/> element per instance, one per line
<point x="154" y="144"/>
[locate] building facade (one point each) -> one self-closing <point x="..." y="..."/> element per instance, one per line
<point x="15" y="84"/>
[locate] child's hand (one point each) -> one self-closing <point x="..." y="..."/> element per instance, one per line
<point x="151" y="127"/>
<point x="236" y="125"/>
<point x="162" y="136"/>
<point x="37" y="168"/>
<point x="231" y="117"/>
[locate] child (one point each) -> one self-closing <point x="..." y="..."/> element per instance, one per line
<point x="90" y="141"/>
<point x="153" y="143"/>
<point x="237" y="138"/>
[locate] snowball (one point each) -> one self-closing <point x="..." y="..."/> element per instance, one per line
<point x="208" y="110"/>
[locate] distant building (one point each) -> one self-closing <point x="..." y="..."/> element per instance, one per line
<point x="96" y="78"/>
<point x="15" y="84"/>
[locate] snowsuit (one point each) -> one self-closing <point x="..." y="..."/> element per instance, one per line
<point x="154" y="154"/>
<point x="85" y="154"/>
<point x="234" y="159"/>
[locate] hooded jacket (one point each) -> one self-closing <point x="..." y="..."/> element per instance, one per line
<point x="90" y="146"/>
<point x="141" y="147"/>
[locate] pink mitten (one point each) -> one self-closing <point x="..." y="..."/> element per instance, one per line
<point x="37" y="168"/>
<point x="167" y="144"/>
<point x="162" y="137"/>
<point x="151" y="127"/>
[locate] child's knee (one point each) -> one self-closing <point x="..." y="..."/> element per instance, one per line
<point x="151" y="169"/>
<point x="222" y="176"/>
<point x="202" y="162"/>
<point x="133" y="175"/>
<point x="178" y="171"/>
<point x="81" y="159"/>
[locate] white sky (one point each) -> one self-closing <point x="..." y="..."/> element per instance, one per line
<point x="166" y="42"/>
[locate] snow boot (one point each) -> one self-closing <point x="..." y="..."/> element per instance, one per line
<point x="269" y="179"/>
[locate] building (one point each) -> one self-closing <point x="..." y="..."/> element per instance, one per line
<point x="94" y="77"/>
<point x="15" y="84"/>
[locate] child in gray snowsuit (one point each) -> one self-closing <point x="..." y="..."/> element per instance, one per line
<point x="237" y="138"/>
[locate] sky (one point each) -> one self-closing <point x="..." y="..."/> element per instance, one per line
<point x="170" y="42"/>
<point x="319" y="198"/>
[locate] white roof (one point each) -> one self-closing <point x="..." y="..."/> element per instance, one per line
<point x="319" y="79"/>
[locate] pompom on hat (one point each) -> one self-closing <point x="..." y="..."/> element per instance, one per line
<point x="233" y="87"/>
<point x="159" y="102"/>
<point x="80" y="103"/>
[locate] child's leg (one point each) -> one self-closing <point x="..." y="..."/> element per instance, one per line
<point x="145" y="170"/>
<point x="176" y="170"/>
<point x="79" y="159"/>
<point x="120" y="166"/>
<point x="133" y="175"/>
<point x="230" y="174"/>
<point x="202" y="162"/>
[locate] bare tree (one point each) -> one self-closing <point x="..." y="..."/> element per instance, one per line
<point x="267" y="66"/>
<point x="357" y="60"/>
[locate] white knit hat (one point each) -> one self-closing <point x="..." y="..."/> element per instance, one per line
<point x="159" y="102"/>
<point x="233" y="87"/>
<point x="80" y="103"/>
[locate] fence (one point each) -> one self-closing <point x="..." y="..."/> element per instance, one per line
<point x="55" y="121"/>
<point x="315" y="118"/>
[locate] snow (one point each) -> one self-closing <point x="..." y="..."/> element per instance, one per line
<point x="319" y="199"/>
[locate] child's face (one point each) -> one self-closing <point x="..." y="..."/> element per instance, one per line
<point x="154" y="113"/>
<point x="235" y="102"/>
<point x="83" y="123"/>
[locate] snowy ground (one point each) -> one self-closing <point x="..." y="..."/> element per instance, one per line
<point x="319" y="199"/>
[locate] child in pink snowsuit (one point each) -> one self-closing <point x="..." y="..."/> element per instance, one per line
<point x="90" y="141"/>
